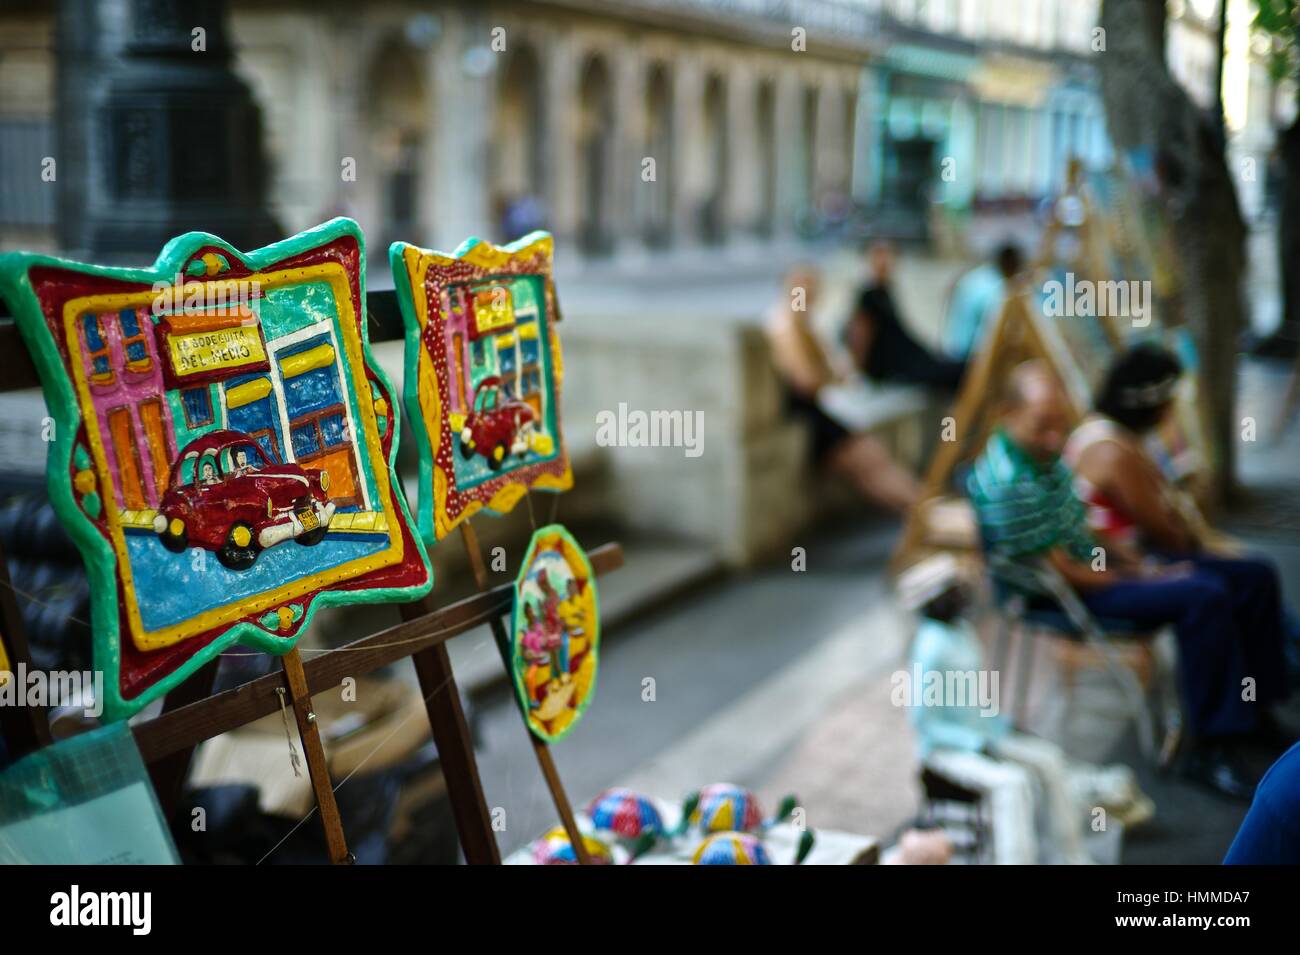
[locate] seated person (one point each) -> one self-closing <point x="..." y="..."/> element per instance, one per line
<point x="881" y="346"/>
<point x="977" y="299"/>
<point x="804" y="369"/>
<point x="1270" y="833"/>
<point x="1024" y="497"/>
<point x="1129" y="499"/>
<point x="1131" y="502"/>
<point x="1036" y="796"/>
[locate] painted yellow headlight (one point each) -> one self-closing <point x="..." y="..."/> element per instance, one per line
<point x="324" y="480"/>
<point x="177" y="527"/>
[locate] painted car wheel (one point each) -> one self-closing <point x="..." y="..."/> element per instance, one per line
<point x="312" y="538"/>
<point x="240" y="549"/>
<point x="466" y="451"/>
<point x="176" y="543"/>
<point x="496" y="457"/>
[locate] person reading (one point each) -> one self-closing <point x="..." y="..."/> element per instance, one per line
<point x="804" y="370"/>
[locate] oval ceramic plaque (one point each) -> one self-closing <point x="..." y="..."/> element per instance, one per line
<point x="555" y="643"/>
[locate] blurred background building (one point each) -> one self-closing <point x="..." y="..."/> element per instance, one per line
<point x="683" y="151"/>
<point x="436" y="120"/>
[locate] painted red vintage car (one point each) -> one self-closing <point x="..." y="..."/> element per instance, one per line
<point x="225" y="496"/>
<point x="497" y="425"/>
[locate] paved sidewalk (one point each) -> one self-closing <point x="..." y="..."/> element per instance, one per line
<point x="856" y="769"/>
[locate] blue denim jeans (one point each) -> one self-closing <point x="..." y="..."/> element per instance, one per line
<point x="1228" y="618"/>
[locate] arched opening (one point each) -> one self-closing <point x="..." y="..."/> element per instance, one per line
<point x="713" y="210"/>
<point x="594" y="145"/>
<point x="515" y="162"/>
<point x="655" y="197"/>
<point x="397" y="120"/>
<point x="766" y="142"/>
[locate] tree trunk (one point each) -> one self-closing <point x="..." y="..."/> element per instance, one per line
<point x="1288" y="236"/>
<point x="1147" y="109"/>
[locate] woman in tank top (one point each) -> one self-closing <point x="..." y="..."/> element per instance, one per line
<point x="1129" y="500"/>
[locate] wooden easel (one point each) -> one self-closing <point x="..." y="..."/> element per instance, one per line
<point x="192" y="714"/>
<point x="1153" y="259"/>
<point x="317" y="767"/>
<point x="540" y="748"/>
<point x="1018" y="335"/>
<point x="1091" y="261"/>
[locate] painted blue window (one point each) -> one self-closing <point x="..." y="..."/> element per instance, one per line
<point x="256" y="416"/>
<point x="507" y="356"/>
<point x="305" y="441"/>
<point x="197" y="403"/>
<point x="312" y="390"/>
<point x="133" y="340"/>
<point x="130" y="323"/>
<point x="331" y="426"/>
<point x="267" y="445"/>
<point x="530" y="350"/>
<point x="94" y="341"/>
<point x="96" y="346"/>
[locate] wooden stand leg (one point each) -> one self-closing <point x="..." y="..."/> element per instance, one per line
<point x="24" y="728"/>
<point x="169" y="774"/>
<point x="540" y="749"/>
<point x="309" y="732"/>
<point x="455" y="748"/>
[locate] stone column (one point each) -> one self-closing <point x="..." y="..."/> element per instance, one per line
<point x="560" y="80"/>
<point x="464" y="75"/>
<point x="790" y="151"/>
<point x="624" y="184"/>
<point x="873" y="107"/>
<point x="743" y="189"/>
<point x="828" y="156"/>
<point x="688" y="93"/>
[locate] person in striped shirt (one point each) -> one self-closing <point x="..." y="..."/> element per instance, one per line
<point x="1028" y="511"/>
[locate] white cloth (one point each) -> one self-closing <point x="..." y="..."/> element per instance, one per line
<point x="1027" y="786"/>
